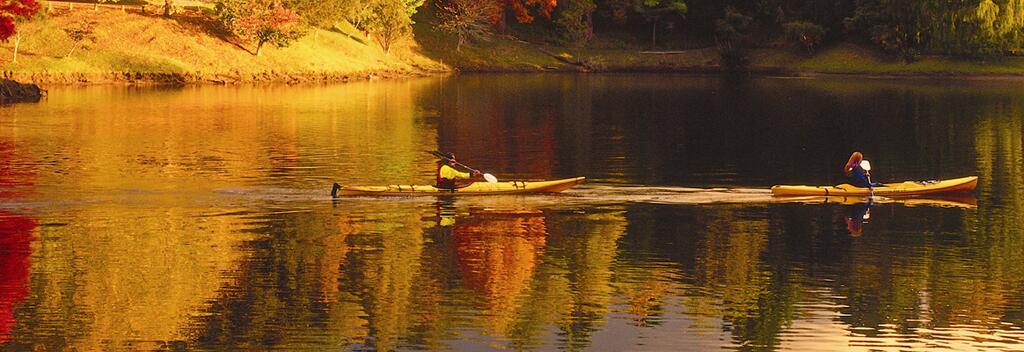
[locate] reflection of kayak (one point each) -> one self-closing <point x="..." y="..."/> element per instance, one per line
<point x="907" y="188"/>
<point x="955" y="201"/>
<point x="477" y="188"/>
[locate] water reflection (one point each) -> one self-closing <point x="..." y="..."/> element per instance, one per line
<point x="199" y="218"/>
<point x="15" y="249"/>
<point x="858" y="214"/>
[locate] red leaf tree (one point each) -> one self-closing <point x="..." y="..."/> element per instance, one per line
<point x="12" y="10"/>
<point x="522" y="10"/>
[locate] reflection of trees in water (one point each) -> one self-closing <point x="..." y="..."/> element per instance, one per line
<point x="996" y="231"/>
<point x="135" y="279"/>
<point x="496" y="253"/>
<point x="16" y="237"/>
<point x="754" y="300"/>
<point x="572" y="287"/>
<point x="725" y="276"/>
<point x="941" y="279"/>
<point x="383" y="278"/>
<point x="286" y="292"/>
<point x="500" y="127"/>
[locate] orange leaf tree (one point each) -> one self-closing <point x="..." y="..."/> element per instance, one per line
<point x="522" y="10"/>
<point x="261" y="21"/>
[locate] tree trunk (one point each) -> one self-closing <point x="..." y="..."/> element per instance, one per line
<point x="316" y="36"/>
<point x="259" y="48"/>
<point x="96" y="6"/>
<point x="654" y="35"/>
<point x="169" y="8"/>
<point x="17" y="41"/>
<point x="590" y="26"/>
<point x="502" y="24"/>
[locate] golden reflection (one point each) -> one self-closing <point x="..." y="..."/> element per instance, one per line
<point x="645" y="299"/>
<point x="140" y="276"/>
<point x="572" y="287"/>
<point x="385" y="277"/>
<point x="736" y="285"/>
<point x="496" y="254"/>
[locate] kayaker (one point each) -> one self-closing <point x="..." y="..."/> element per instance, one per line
<point x="448" y="177"/>
<point x="853" y="169"/>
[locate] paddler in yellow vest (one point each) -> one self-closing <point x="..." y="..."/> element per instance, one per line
<point x="448" y="177"/>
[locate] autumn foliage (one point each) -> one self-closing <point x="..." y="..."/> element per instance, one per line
<point x="11" y="10"/>
<point x="521" y="8"/>
<point x="261" y="21"/>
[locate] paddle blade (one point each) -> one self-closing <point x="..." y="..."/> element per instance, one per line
<point x="490" y="178"/>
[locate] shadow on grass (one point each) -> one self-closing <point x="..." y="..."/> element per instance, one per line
<point x="197" y="23"/>
<point x="358" y="39"/>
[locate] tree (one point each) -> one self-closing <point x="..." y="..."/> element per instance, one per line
<point x="890" y="24"/>
<point x="807" y="34"/>
<point x="575" y="18"/>
<point x="467" y="19"/>
<point x="13" y="10"/>
<point x="262" y="21"/>
<point x="731" y="34"/>
<point x="81" y="34"/>
<point x="521" y="9"/>
<point x="655" y="11"/>
<point x="319" y="13"/>
<point x="389" y="22"/>
<point x="909" y="27"/>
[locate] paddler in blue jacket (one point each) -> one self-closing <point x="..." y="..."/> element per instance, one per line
<point x="448" y="177"/>
<point x="855" y="169"/>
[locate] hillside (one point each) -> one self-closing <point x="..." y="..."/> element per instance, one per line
<point x="134" y="46"/>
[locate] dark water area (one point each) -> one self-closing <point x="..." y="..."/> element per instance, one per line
<point x="199" y="218"/>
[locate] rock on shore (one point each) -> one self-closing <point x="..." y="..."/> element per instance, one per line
<point x="14" y="92"/>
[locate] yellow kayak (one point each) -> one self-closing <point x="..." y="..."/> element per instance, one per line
<point x="906" y="188"/>
<point x="477" y="188"/>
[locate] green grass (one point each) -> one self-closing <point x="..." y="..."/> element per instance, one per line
<point x="132" y="42"/>
<point x="848" y="58"/>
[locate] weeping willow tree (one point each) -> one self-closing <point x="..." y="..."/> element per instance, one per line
<point x="966" y="27"/>
<point x="1000" y="24"/>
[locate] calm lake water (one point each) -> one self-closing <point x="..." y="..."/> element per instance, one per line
<point x="199" y="218"/>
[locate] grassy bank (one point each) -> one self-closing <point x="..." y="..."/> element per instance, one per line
<point x="127" y="46"/>
<point x="510" y="54"/>
<point x="137" y="47"/>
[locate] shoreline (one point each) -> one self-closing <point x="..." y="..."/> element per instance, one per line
<point x="292" y="78"/>
<point x="201" y="78"/>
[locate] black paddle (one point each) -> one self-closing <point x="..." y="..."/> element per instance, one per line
<point x="490" y="178"/>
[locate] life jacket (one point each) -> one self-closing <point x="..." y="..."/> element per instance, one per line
<point x="449" y="183"/>
<point x="443" y="182"/>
